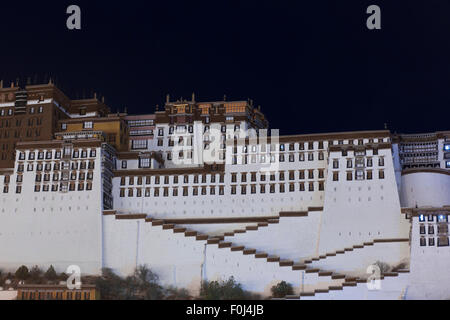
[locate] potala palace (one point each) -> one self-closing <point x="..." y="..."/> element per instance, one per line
<point x="204" y="191"/>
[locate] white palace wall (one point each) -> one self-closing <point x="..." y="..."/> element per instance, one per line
<point x="227" y="205"/>
<point x="175" y="258"/>
<point x="359" y="211"/>
<point x="207" y="206"/>
<point x="62" y="229"/>
<point x="425" y="189"/>
<point x="51" y="228"/>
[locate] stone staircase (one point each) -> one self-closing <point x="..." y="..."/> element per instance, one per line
<point x="355" y="247"/>
<point x="356" y="259"/>
<point x="392" y="287"/>
<point x="308" y="280"/>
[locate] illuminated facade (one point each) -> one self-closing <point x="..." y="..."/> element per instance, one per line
<point x="202" y="191"/>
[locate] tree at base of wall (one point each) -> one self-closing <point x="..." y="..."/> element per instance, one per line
<point x="225" y="290"/>
<point x="383" y="266"/>
<point x="50" y="274"/>
<point x="22" y="273"/>
<point x="35" y="275"/>
<point x="281" y="290"/>
<point x="142" y="285"/>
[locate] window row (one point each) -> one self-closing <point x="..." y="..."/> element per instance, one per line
<point x="4" y="112"/>
<point x="170" y="179"/>
<point x="54" y="187"/>
<point x="156" y="192"/>
<point x="431" y="218"/>
<point x="86" y="125"/>
<point x="246" y="159"/>
<point x="311" y="145"/>
<point x="82" y="165"/>
<point x="64" y="176"/>
<point x="18" y="133"/>
<point x="358" y="175"/>
<point x="359" y="163"/>
<point x="220" y="190"/>
<point x="281" y="175"/>
<point x="360" y="153"/>
<point x="301" y="146"/>
<point x="441" y="228"/>
<point x="54" y="295"/>
<point x="140" y="123"/>
<point x="31" y="122"/>
<point x="49" y="155"/>
<point x="280" y="188"/>
<point x="281" y="147"/>
<point x="181" y="155"/>
<point x="181" y="141"/>
<point x="141" y="132"/>
<point x="441" y="242"/>
<point x="81" y="186"/>
<point x="139" y="144"/>
<point x="4" y="155"/>
<point x="179" y="129"/>
<point x="243" y="177"/>
<point x="31" y="110"/>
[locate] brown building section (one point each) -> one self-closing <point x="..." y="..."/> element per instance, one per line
<point x="88" y="107"/>
<point x="113" y="129"/>
<point x="34" y="112"/>
<point x="183" y="111"/>
<point x="28" y="114"/>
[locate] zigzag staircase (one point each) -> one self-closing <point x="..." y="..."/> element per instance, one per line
<point x="358" y="246"/>
<point x="338" y="281"/>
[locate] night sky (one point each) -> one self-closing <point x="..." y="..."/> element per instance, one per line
<point x="313" y="66"/>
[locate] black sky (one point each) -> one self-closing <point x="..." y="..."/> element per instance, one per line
<point x="313" y="66"/>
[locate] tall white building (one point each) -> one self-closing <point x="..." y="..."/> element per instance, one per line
<point x="203" y="191"/>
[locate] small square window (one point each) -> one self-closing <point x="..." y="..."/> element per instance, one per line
<point x="423" y="242"/>
<point x="336" y="176"/>
<point x="422" y="229"/>
<point x="349" y="176"/>
<point x="443" y="242"/>
<point x="430" y="242"/>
